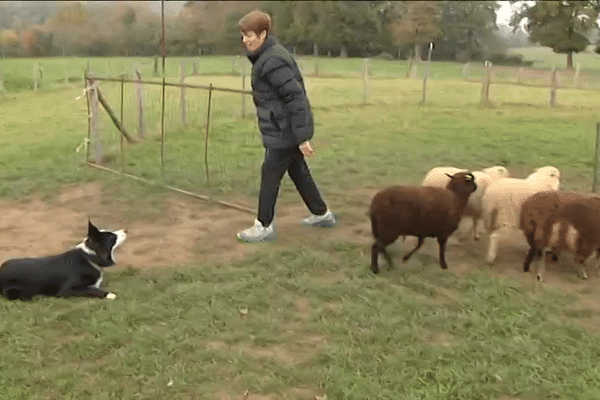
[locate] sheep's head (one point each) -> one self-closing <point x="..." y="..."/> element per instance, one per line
<point x="548" y="174"/>
<point x="462" y="182"/>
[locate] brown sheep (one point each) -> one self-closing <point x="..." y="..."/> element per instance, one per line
<point x="420" y="211"/>
<point x="553" y="221"/>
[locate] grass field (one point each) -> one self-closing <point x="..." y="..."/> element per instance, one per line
<point x="19" y="72"/>
<point x="302" y="317"/>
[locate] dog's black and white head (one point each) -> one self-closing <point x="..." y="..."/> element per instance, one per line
<point x="100" y="245"/>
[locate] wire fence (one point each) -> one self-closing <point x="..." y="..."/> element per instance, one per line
<point x="188" y="137"/>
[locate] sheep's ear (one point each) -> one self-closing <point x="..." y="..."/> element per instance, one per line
<point x="469" y="178"/>
<point x="447" y="174"/>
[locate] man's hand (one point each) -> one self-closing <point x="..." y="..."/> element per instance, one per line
<point x="306" y="149"/>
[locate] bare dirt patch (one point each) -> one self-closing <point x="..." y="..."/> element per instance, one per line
<point x="192" y="232"/>
<point x="189" y="232"/>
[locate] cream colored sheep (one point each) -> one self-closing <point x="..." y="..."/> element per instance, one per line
<point x="502" y="200"/>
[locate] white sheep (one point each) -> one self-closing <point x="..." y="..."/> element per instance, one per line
<point x="502" y="201"/>
<point x="437" y="177"/>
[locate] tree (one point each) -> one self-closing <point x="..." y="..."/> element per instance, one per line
<point x="467" y="30"/>
<point x="561" y="25"/>
<point x="414" y="23"/>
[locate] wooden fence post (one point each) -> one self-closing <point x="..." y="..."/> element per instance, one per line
<point x="182" y="81"/>
<point x="365" y="77"/>
<point x="426" y="75"/>
<point x="596" y="157"/>
<point x="194" y="68"/>
<point x="485" y="83"/>
<point x="520" y="76"/>
<point x="465" y="71"/>
<point x="553" y="87"/>
<point x="35" y="77"/>
<point x="140" y="100"/>
<point x="95" y="126"/>
<point x="576" y="76"/>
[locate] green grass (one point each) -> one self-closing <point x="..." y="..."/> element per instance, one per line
<point x="425" y="336"/>
<point x="318" y="322"/>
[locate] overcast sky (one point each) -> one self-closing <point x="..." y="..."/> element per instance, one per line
<point x="172" y="7"/>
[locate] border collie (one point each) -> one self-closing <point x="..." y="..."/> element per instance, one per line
<point x="77" y="272"/>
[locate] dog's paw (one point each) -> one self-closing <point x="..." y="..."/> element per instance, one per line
<point x="111" y="296"/>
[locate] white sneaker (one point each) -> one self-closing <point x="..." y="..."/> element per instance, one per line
<point x="257" y="233"/>
<point x="326" y="220"/>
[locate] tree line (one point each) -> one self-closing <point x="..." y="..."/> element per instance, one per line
<point x="460" y="30"/>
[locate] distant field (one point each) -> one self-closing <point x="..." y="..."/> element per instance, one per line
<point x="545" y="58"/>
<point x="19" y="72"/>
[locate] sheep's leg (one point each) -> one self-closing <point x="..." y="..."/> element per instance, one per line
<point x="493" y="247"/>
<point x="419" y="244"/>
<point x="547" y="256"/>
<point x="387" y="257"/>
<point x="442" y="246"/>
<point x="528" y="258"/>
<point x="374" y="258"/>
<point x="582" y="255"/>
<point x="476" y="230"/>
<point x="375" y="250"/>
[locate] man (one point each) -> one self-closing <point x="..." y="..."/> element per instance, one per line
<point x="286" y="124"/>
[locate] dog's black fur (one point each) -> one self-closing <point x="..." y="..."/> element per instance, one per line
<point x="77" y="272"/>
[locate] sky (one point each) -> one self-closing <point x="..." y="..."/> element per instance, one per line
<point x="504" y="13"/>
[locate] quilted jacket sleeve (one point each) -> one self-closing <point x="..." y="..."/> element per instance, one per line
<point x="280" y="76"/>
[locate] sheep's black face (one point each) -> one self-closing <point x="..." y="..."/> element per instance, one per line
<point x="463" y="182"/>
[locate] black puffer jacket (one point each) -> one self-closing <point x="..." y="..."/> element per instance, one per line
<point x="284" y="116"/>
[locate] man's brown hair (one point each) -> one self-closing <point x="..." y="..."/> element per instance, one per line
<point x="255" y="21"/>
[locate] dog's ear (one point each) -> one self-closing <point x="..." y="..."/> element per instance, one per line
<point x="92" y="230"/>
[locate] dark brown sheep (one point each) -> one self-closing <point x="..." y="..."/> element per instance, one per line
<point x="420" y="211"/>
<point x="552" y="221"/>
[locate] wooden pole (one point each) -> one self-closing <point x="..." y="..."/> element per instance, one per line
<point x="206" y="136"/>
<point x="553" y="87"/>
<point x="140" y="100"/>
<point x="198" y="196"/>
<point x="162" y="125"/>
<point x="112" y="116"/>
<point x="95" y="111"/>
<point x="35" y="77"/>
<point x="426" y="75"/>
<point x="596" y="157"/>
<point x="121" y="136"/>
<point x="182" y="99"/>
<point x="365" y="80"/>
<point x="484" y="84"/>
<point x="86" y="83"/>
<point x="576" y="76"/>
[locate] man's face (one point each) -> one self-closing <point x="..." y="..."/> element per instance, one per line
<point x="252" y="41"/>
